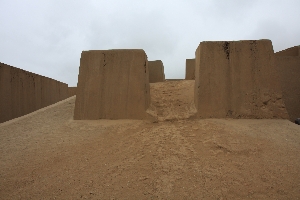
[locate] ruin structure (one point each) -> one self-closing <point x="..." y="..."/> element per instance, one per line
<point x="288" y="67"/>
<point x="237" y="79"/>
<point x="292" y="51"/>
<point x="22" y="92"/>
<point x="112" y="84"/>
<point x="156" y="71"/>
<point x="71" y="91"/>
<point x="190" y="69"/>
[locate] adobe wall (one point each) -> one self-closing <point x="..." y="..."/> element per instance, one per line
<point x="22" y="92"/>
<point x="292" y="51"/>
<point x="237" y="79"/>
<point x="288" y="68"/>
<point x="112" y="84"/>
<point x="71" y="91"/>
<point x="156" y="71"/>
<point x="190" y="69"/>
<point x="175" y="79"/>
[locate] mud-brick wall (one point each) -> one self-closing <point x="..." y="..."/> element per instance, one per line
<point x="22" y="92"/>
<point x="156" y="71"/>
<point x="292" y="51"/>
<point x="72" y="91"/>
<point x="288" y="68"/>
<point x="190" y="69"/>
<point x="112" y="84"/>
<point x="237" y="79"/>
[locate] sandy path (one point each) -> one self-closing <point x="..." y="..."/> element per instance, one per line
<point x="173" y="100"/>
<point x="47" y="155"/>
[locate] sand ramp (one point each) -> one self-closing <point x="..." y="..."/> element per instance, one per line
<point x="47" y="154"/>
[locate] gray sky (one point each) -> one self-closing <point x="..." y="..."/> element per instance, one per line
<point x="46" y="37"/>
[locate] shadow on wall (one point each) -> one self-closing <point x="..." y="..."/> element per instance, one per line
<point x="23" y="92"/>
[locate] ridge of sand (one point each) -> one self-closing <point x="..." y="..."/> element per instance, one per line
<point x="48" y="155"/>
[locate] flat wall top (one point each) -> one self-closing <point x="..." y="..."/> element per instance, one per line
<point x="25" y="71"/>
<point x="156" y="62"/>
<point x="117" y="50"/>
<point x="268" y="42"/>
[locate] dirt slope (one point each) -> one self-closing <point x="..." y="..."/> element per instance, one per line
<point x="47" y="155"/>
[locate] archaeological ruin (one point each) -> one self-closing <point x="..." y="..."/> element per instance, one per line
<point x="233" y="79"/>
<point x="237" y="79"/>
<point x="112" y="84"/>
<point x="156" y="71"/>
<point x="288" y="67"/>
<point x="23" y="92"/>
<point x="190" y="69"/>
<point x="71" y="91"/>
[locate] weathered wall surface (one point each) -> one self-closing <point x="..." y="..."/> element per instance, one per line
<point x="190" y="69"/>
<point x="237" y="79"/>
<point x="288" y="68"/>
<point x="112" y="84"/>
<point x="293" y="51"/>
<point x="72" y="91"/>
<point x="22" y="92"/>
<point x="156" y="71"/>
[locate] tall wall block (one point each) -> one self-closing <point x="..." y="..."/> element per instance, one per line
<point x="156" y="71"/>
<point x="190" y="69"/>
<point x="22" y="92"/>
<point x="237" y="79"/>
<point x="112" y="84"/>
<point x="288" y="67"/>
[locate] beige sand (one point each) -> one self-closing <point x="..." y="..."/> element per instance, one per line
<point x="47" y="155"/>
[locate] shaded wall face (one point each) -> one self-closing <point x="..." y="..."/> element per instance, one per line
<point x="22" y="92"/>
<point x="112" y="84"/>
<point x="237" y="80"/>
<point x="156" y="71"/>
<point x="190" y="69"/>
<point x="288" y="68"/>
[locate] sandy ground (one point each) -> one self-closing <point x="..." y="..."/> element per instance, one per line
<point x="47" y="155"/>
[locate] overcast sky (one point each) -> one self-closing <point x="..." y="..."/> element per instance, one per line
<point x="47" y="36"/>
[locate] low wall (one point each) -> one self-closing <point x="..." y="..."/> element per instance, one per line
<point x="156" y="71"/>
<point x="190" y="69"/>
<point x="237" y="79"/>
<point x="22" y="92"/>
<point x="72" y="91"/>
<point x="175" y="79"/>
